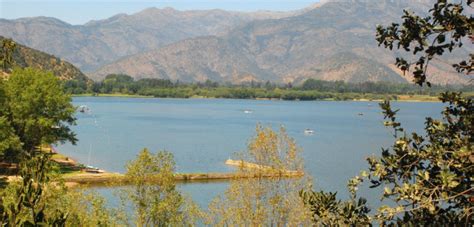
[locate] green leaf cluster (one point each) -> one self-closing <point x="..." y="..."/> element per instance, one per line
<point x="153" y="192"/>
<point x="327" y="210"/>
<point x="310" y="89"/>
<point x="35" y="111"/>
<point x="6" y="54"/>
<point x="431" y="36"/>
<point x="264" y="201"/>
<point x="429" y="177"/>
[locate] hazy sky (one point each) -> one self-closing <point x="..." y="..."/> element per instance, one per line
<point x="81" y="11"/>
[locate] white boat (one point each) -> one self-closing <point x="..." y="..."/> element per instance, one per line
<point x="83" y="109"/>
<point x="308" y="131"/>
<point x="248" y="111"/>
<point x="92" y="169"/>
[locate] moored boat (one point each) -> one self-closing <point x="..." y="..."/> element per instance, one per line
<point x="308" y="131"/>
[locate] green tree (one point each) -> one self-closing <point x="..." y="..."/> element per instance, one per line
<point x="327" y="210"/>
<point x="6" y="54"/>
<point x="83" y="208"/>
<point x="9" y="142"/>
<point x="153" y="192"/>
<point x="429" y="178"/>
<point x="39" y="198"/>
<point x="23" y="202"/>
<point x="263" y="201"/>
<point x="117" y="83"/>
<point x="34" y="112"/>
<point x="37" y="109"/>
<point x="443" y="30"/>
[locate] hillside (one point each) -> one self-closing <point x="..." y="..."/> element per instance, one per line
<point x="28" y="57"/>
<point x="334" y="41"/>
<point x="97" y="43"/>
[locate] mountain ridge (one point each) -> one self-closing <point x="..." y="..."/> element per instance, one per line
<point x="24" y="56"/>
<point x="99" y="42"/>
<point x="286" y="49"/>
<point x="236" y="47"/>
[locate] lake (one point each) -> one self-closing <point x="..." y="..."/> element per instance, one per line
<point x="203" y="133"/>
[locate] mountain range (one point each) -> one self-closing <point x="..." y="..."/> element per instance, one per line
<point x="333" y="40"/>
<point x="96" y="43"/>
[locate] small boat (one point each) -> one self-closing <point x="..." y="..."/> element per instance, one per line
<point x="308" y="131"/>
<point x="360" y="114"/>
<point x="248" y="111"/>
<point x="83" y="109"/>
<point x="92" y="169"/>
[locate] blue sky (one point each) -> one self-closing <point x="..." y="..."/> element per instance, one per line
<point x="81" y="11"/>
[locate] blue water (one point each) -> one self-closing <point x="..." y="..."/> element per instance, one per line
<point x="203" y="133"/>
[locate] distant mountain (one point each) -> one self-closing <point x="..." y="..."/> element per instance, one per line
<point x="27" y="57"/>
<point x="332" y="41"/>
<point x="100" y="42"/>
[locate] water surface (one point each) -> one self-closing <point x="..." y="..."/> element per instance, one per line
<point x="203" y="133"/>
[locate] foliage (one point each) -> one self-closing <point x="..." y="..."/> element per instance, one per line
<point x="8" y="140"/>
<point x="429" y="178"/>
<point x="327" y="210"/>
<point x="273" y="149"/>
<point x="23" y="202"/>
<point x="39" y="198"/>
<point x="83" y="208"/>
<point x="310" y="89"/>
<point x="37" y="109"/>
<point x="153" y="192"/>
<point x="263" y="201"/>
<point x="432" y="36"/>
<point x="6" y="54"/>
<point x="34" y="111"/>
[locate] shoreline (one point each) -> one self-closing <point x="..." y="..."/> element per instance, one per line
<point x="75" y="174"/>
<point x="117" y="179"/>
<point x="106" y="178"/>
<point x="400" y="98"/>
